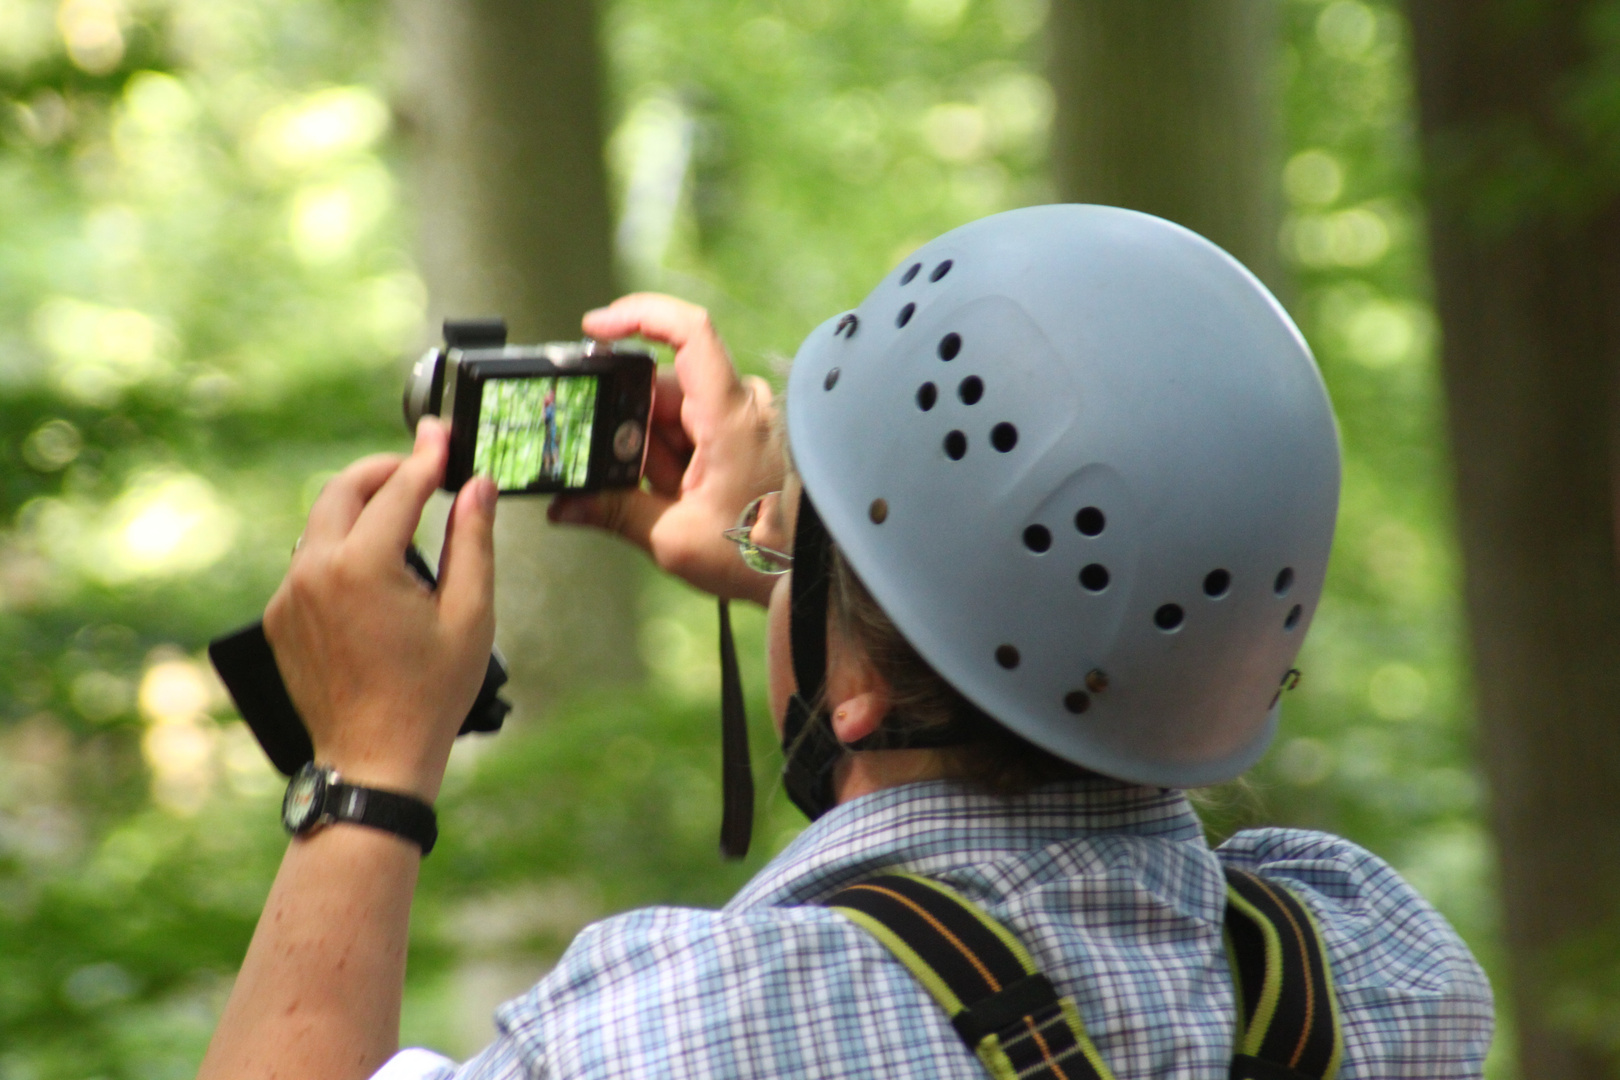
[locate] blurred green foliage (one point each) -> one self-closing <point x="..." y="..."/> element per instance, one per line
<point x="205" y="294"/>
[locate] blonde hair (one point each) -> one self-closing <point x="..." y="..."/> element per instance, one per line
<point x="995" y="760"/>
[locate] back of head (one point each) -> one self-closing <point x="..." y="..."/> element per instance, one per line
<point x="1085" y="463"/>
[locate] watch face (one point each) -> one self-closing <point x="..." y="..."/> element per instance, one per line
<point x="303" y="801"/>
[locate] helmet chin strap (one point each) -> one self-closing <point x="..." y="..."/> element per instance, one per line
<point x="809" y="748"/>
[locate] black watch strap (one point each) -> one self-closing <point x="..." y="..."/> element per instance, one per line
<point x="403" y="815"/>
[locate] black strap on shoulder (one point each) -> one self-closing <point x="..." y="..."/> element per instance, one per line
<point x="1288" y="1025"/>
<point x="1002" y="1007"/>
<point x="1012" y="1017"/>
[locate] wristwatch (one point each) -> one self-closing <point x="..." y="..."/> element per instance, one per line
<point x="318" y="796"/>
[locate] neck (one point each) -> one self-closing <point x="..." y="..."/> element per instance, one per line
<point x="867" y="771"/>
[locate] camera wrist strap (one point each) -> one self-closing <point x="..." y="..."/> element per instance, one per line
<point x="736" y="770"/>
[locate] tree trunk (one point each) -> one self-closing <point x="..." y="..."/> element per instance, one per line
<point x="1171" y="107"/>
<point x="500" y="103"/>
<point x="1525" y="239"/>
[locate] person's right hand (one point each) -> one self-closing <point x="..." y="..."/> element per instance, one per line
<point x="382" y="668"/>
<point x="712" y="448"/>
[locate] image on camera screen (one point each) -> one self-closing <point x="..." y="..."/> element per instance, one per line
<point x="535" y="431"/>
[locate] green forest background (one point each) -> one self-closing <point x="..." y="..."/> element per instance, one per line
<point x="208" y="292"/>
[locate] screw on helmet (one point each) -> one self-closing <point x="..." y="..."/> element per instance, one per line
<point x="1109" y="473"/>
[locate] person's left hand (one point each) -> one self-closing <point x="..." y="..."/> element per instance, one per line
<point x="382" y="669"/>
<point x="712" y="447"/>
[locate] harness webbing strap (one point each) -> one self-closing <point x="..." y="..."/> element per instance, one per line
<point x="1011" y="1016"/>
<point x="1289" y="1018"/>
<point x="1000" y="1004"/>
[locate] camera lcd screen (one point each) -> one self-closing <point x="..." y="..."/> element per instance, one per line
<point x="536" y="431"/>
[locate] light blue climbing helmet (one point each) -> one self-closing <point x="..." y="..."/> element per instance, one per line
<point x="1085" y="462"/>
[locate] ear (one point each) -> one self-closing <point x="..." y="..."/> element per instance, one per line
<point x="857" y="695"/>
<point x="857" y="716"/>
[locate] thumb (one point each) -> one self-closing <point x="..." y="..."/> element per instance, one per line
<point x="467" y="563"/>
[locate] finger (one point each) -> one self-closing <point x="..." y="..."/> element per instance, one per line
<point x="701" y="362"/>
<point x="760" y="390"/>
<point x="665" y="466"/>
<point x="631" y="513"/>
<point x="654" y="316"/>
<point x="667" y="401"/>
<point x="666" y="426"/>
<point x="389" y="520"/>
<point x="467" y="561"/>
<point x="345" y="495"/>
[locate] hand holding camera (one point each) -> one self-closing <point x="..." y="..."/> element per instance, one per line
<point x="713" y="447"/>
<point x="354" y="631"/>
<point x="382" y="668"/>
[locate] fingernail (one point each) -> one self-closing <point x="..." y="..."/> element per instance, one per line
<point x="486" y="495"/>
<point x="421" y="431"/>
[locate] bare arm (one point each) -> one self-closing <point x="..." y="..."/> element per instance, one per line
<point x="382" y="671"/>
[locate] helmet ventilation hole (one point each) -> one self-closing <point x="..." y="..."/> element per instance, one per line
<point x="940" y="271"/>
<point x="878" y="511"/>
<point x="949" y="346"/>
<point x="1293" y="617"/>
<point x="927" y="394"/>
<point x="971" y="390"/>
<point x="1094" y="577"/>
<point x="955" y="445"/>
<point x="1077" y="701"/>
<point x="1169" y="617"/>
<point x="1216" y="583"/>
<point x="905" y="279"/>
<point x="1090" y="521"/>
<point x="1284" y="582"/>
<point x="1007" y="656"/>
<point x="832" y="379"/>
<point x="1038" y="538"/>
<point x="1004" y="436"/>
<point x="905" y="315"/>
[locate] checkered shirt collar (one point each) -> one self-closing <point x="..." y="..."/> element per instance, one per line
<point x="931" y="826"/>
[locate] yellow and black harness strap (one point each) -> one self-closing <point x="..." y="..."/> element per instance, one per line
<point x="1004" y="1009"/>
<point x="1288" y="1024"/>
<point x="1011" y="1016"/>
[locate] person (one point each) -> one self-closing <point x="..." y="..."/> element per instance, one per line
<point x="1056" y="504"/>
<point x="548" y="454"/>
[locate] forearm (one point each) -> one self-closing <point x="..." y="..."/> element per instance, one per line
<point x="318" y="995"/>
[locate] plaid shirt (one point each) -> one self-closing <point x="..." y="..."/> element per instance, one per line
<point x="1112" y="889"/>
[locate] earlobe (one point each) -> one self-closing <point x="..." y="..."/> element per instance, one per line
<point x="856" y="717"/>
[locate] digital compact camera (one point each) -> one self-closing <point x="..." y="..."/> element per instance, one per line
<point x="536" y="419"/>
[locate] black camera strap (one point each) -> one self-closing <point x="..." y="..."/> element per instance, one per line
<point x="736" y="769"/>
